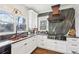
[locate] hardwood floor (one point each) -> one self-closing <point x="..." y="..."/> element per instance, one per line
<point x="44" y="51"/>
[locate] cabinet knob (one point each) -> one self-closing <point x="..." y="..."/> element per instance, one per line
<point x="42" y="44"/>
<point x="25" y="43"/>
<point x="74" y="40"/>
<point x="33" y="40"/>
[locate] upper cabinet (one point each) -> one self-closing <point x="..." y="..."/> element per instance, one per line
<point x="43" y="23"/>
<point x="6" y="23"/>
<point x="20" y="24"/>
<point x="32" y="19"/>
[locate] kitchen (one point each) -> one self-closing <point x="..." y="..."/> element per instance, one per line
<point x="39" y="29"/>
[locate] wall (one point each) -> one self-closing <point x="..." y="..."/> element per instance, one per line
<point x="76" y="7"/>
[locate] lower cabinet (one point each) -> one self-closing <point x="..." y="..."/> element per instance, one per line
<point x="28" y="45"/>
<point x="60" y="46"/>
<point x="72" y="45"/>
<point x="24" y="47"/>
<point x="54" y="45"/>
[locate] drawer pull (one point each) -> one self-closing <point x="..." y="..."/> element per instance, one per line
<point x="74" y="45"/>
<point x="42" y="40"/>
<point x="42" y="44"/>
<point x="33" y="40"/>
<point x="74" y="40"/>
<point x="74" y="52"/>
<point x="25" y="44"/>
<point x="55" y="42"/>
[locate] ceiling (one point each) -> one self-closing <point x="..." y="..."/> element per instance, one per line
<point x="40" y="8"/>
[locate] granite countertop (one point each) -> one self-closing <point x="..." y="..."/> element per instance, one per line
<point x="71" y="37"/>
<point x="3" y="43"/>
<point x="29" y="36"/>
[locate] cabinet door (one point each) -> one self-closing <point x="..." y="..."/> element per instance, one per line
<point x="32" y="19"/>
<point x="20" y="47"/>
<point x="50" y="44"/>
<point x="72" y="45"/>
<point x="61" y="46"/>
<point x="33" y="44"/>
<point x="46" y="43"/>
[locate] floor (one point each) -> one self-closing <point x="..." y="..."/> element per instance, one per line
<point x="44" y="51"/>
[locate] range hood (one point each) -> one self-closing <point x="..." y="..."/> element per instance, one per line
<point x="55" y="15"/>
<point x="55" y="9"/>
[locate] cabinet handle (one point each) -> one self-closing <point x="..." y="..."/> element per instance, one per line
<point x="74" y="52"/>
<point x="33" y="40"/>
<point x="74" y="45"/>
<point x="25" y="43"/>
<point x="42" y="40"/>
<point x="55" y="42"/>
<point x="42" y="44"/>
<point x="74" y="40"/>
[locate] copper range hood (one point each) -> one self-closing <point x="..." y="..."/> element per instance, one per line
<point x="55" y="9"/>
<point x="55" y="15"/>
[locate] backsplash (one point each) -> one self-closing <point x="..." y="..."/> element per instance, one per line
<point x="13" y="36"/>
<point x="63" y="27"/>
<point x="6" y="37"/>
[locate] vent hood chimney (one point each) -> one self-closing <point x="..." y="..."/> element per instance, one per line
<point x="55" y="9"/>
<point x="56" y="15"/>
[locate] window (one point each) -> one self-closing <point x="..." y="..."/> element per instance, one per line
<point x="21" y="24"/>
<point x="6" y="22"/>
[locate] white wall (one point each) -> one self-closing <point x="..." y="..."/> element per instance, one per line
<point x="76" y="7"/>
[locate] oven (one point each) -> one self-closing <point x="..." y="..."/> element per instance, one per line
<point x="5" y="49"/>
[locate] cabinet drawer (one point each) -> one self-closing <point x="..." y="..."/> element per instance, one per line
<point x="73" y="40"/>
<point x="19" y="50"/>
<point x="21" y="43"/>
<point x="44" y="37"/>
<point x="72" y="49"/>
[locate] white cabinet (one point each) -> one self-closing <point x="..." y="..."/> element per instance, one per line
<point x="60" y="46"/>
<point x="33" y="44"/>
<point x="25" y="46"/>
<point x="72" y="45"/>
<point x="46" y="43"/>
<point x="19" y="47"/>
<point x="32" y="19"/>
<point x="50" y="44"/>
